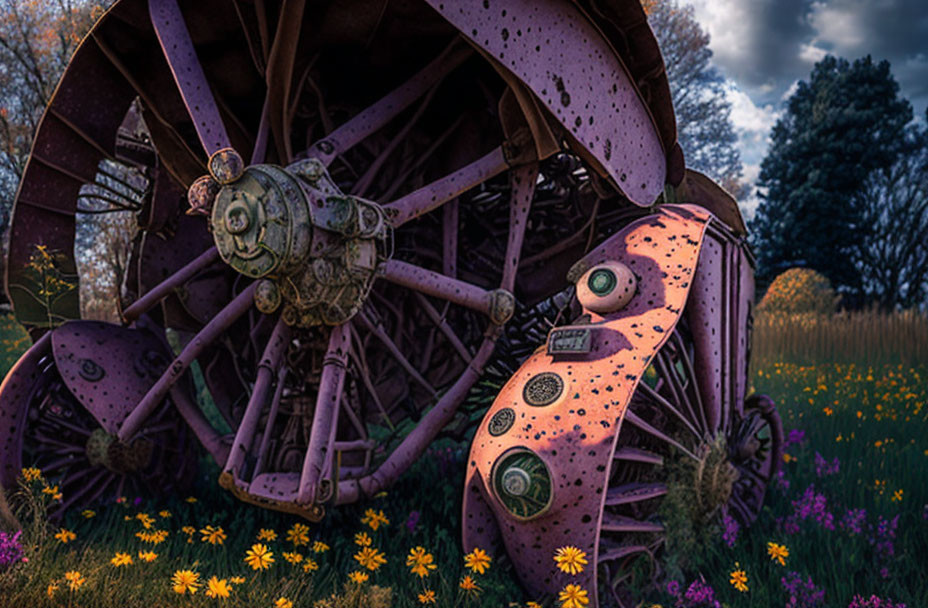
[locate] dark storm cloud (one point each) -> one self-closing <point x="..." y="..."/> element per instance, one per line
<point x="766" y="45"/>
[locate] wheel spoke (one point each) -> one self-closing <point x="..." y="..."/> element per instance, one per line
<point x="522" y="189"/>
<point x="271" y="359"/>
<point x="279" y="73"/>
<point x="437" y="193"/>
<point x="211" y="332"/>
<point x="167" y="286"/>
<point x="412" y="446"/>
<point x="181" y="56"/>
<point x="637" y="421"/>
<point x="373" y="118"/>
<point x="320" y="450"/>
<point x="443" y="326"/>
<point x="379" y="332"/>
<point x="438" y="285"/>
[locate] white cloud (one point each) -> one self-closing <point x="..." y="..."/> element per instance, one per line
<point x="838" y="25"/>
<point x="811" y="53"/>
<point x="752" y="124"/>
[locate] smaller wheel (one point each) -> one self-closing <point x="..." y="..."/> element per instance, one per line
<point x="756" y="450"/>
<point x="47" y="426"/>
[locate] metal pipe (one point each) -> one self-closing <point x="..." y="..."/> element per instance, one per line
<point x="437" y="193"/>
<point x="267" y="368"/>
<point x="220" y="323"/>
<point x="165" y="287"/>
<point x="325" y="418"/>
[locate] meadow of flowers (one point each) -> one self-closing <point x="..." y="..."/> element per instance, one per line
<point x="845" y="526"/>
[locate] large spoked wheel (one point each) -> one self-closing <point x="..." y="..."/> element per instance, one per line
<point x="384" y="317"/>
<point x="668" y="444"/>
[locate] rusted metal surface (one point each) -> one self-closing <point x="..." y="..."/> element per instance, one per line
<point x="573" y="429"/>
<point x="598" y="104"/>
<point x="394" y="192"/>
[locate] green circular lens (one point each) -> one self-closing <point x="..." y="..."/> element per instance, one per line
<point x="602" y="281"/>
<point x="523" y="484"/>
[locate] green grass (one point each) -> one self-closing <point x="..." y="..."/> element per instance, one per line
<point x="875" y="425"/>
<point x="14" y="341"/>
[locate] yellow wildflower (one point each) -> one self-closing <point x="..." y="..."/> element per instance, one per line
<point x="53" y="492"/>
<point x="537" y="605"/>
<point x="75" y="580"/>
<point x="370" y="558"/>
<point x="191" y="499"/>
<point x="185" y="581"/>
<point x="897" y="496"/>
<point x="30" y="474"/>
<point x="164" y="514"/>
<point x="375" y="520"/>
<point x="259" y="557"/>
<point x="320" y="547"/>
<point x="267" y="534"/>
<point x="570" y="559"/>
<point x="358" y="577"/>
<point x="739" y="579"/>
<point x="420" y="562"/>
<point x="216" y="587"/>
<point x="293" y="558"/>
<point x="573" y="596"/>
<point x="154" y="537"/>
<point x="146" y="519"/>
<point x="121" y="559"/>
<point x="777" y="552"/>
<point x="427" y="597"/>
<point x="65" y="536"/>
<point x="51" y="589"/>
<point x="298" y="535"/>
<point x="310" y="565"/>
<point x="148" y="556"/>
<point x="237" y="580"/>
<point x="283" y="602"/>
<point x="213" y="535"/>
<point x="362" y="539"/>
<point x="88" y="514"/>
<point x="477" y="560"/>
<point x="467" y="584"/>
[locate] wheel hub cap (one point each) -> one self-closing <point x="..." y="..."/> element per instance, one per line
<point x="315" y="249"/>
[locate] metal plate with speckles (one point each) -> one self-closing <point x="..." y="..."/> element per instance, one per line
<point x="576" y="436"/>
<point x="554" y="49"/>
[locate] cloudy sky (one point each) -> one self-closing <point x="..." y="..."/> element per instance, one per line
<point x="765" y="46"/>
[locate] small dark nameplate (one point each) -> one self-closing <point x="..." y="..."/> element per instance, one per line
<point x="569" y="341"/>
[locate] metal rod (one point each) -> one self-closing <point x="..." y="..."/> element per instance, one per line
<point x="438" y="285"/>
<point x="181" y="56"/>
<point x="220" y="323"/>
<point x="421" y="436"/>
<point x="204" y="431"/>
<point x="522" y="190"/>
<point x="267" y="369"/>
<point x="442" y="325"/>
<point x="378" y="331"/>
<point x="373" y="118"/>
<point x="271" y="419"/>
<point x="325" y="417"/>
<point x="165" y="287"/>
<point x="437" y="193"/>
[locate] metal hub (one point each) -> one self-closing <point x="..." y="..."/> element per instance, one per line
<point x="315" y="249"/>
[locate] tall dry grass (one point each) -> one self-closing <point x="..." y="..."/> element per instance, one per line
<point x="868" y="337"/>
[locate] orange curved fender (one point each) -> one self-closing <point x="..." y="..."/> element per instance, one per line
<point x="573" y="430"/>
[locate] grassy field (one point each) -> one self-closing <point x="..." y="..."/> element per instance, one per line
<point x="850" y="510"/>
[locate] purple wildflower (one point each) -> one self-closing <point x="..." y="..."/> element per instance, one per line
<point x="673" y="589"/>
<point x="854" y="521"/>
<point x="874" y="602"/>
<point x="700" y="594"/>
<point x="730" y="534"/>
<point x="411" y="521"/>
<point x="802" y="594"/>
<point x="813" y="505"/>
<point x="796" y="436"/>
<point x="823" y="468"/>
<point x="782" y="481"/>
<point x="11" y="550"/>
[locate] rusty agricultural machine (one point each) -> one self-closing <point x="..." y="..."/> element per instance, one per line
<point x="349" y="213"/>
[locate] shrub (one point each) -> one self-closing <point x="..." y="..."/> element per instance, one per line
<point x="799" y="290"/>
